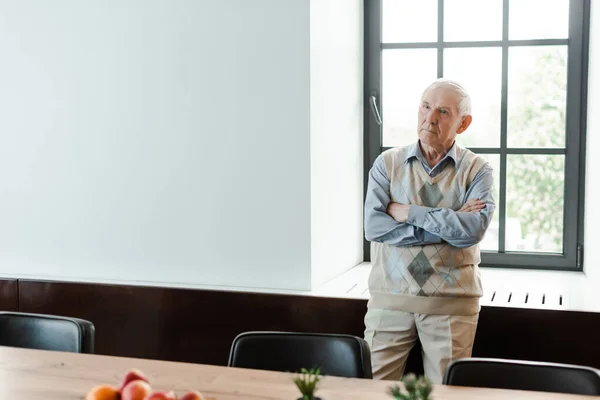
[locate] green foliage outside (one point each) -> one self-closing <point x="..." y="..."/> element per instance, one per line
<point x="537" y="117"/>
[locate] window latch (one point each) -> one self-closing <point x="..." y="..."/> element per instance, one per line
<point x="374" y="109"/>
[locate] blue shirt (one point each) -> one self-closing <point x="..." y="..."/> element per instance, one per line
<point x="427" y="225"/>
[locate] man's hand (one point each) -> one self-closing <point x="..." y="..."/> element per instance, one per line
<point x="472" y="206"/>
<point x="398" y="211"/>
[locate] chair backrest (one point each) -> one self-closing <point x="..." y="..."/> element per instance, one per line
<point x="46" y="332"/>
<point x="523" y="375"/>
<point x="336" y="355"/>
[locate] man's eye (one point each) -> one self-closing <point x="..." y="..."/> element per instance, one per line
<point x="444" y="111"/>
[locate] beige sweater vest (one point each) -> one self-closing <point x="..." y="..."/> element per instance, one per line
<point x="434" y="278"/>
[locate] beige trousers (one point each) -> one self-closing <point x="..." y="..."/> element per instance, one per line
<point x="392" y="334"/>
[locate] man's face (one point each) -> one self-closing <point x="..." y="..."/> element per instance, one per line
<point x="439" y="119"/>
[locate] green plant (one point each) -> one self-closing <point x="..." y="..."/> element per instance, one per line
<point x="414" y="388"/>
<point x="307" y="382"/>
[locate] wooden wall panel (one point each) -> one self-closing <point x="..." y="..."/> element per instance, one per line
<point x="199" y="325"/>
<point x="9" y="296"/>
<point x="541" y="335"/>
<point x="181" y="324"/>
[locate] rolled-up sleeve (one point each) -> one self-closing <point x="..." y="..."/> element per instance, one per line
<point x="381" y="227"/>
<point x="460" y="229"/>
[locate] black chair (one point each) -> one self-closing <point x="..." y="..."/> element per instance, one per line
<point x="336" y="355"/>
<point x="523" y="375"/>
<point x="46" y="332"/>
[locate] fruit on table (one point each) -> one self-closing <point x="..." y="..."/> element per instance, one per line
<point x="103" y="392"/>
<point x="135" y="386"/>
<point x="193" y="395"/>
<point x="161" y="396"/>
<point x="133" y="374"/>
<point x="136" y="390"/>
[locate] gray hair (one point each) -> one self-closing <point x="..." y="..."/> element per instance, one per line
<point x="464" y="106"/>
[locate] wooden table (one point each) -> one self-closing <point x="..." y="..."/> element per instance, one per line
<point x="35" y="374"/>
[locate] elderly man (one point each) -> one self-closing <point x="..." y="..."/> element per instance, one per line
<point x="427" y="207"/>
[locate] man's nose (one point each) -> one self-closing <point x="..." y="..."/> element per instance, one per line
<point x="432" y="117"/>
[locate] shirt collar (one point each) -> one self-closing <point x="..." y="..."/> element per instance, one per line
<point x="415" y="152"/>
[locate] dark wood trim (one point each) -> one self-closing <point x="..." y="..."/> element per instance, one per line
<point x="199" y="325"/>
<point x="182" y="324"/>
<point x="539" y="335"/>
<point x="9" y="297"/>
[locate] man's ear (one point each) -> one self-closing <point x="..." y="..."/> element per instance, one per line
<point x="467" y="119"/>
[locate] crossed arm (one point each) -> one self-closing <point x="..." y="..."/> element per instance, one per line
<point x="409" y="225"/>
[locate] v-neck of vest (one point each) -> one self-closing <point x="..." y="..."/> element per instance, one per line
<point x="435" y="179"/>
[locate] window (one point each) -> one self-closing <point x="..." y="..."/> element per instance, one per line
<point x="524" y="62"/>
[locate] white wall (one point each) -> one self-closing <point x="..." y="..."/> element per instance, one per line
<point x="336" y="136"/>
<point x="158" y="141"/>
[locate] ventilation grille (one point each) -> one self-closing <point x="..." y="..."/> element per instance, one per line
<point x="528" y="299"/>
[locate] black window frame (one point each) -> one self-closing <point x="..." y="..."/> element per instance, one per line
<point x="575" y="141"/>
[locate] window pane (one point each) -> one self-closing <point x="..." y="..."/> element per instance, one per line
<point x="490" y="241"/>
<point x="538" y="19"/>
<point x="472" y="20"/>
<point x="405" y="74"/>
<point x="537" y="96"/>
<point x="403" y="21"/>
<point x="482" y="78"/>
<point x="534" y="203"/>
